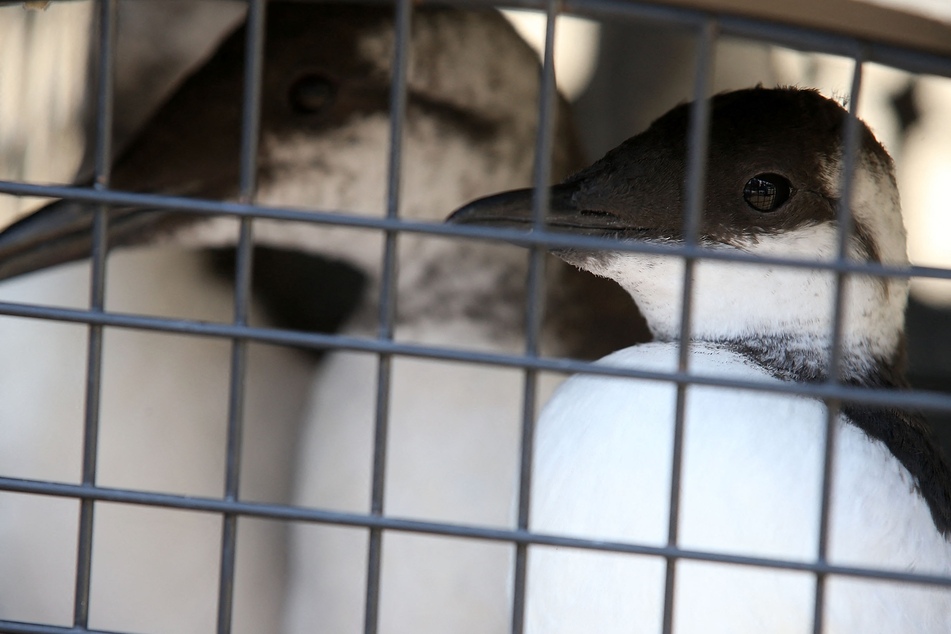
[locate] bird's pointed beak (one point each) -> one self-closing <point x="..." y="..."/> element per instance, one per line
<point x="61" y="232"/>
<point x="513" y="209"/>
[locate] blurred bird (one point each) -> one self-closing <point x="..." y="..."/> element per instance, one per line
<point x="470" y="129"/>
<point x="751" y="478"/>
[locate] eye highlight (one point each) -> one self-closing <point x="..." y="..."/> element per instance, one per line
<point x="312" y="93"/>
<point x="766" y="192"/>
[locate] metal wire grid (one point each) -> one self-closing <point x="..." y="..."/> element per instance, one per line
<point x="707" y="27"/>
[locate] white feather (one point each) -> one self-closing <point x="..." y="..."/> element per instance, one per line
<point x="752" y="464"/>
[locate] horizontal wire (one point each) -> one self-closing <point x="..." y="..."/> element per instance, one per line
<point x="545" y="238"/>
<point x="285" y="512"/>
<point x="812" y="38"/>
<point x="20" y="627"/>
<point x="917" y="399"/>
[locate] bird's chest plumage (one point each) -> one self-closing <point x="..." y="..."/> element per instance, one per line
<point x="751" y="485"/>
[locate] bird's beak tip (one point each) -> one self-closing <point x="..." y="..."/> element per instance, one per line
<point x="460" y="216"/>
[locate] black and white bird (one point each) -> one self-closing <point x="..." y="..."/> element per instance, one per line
<point x="752" y="460"/>
<point x="469" y="130"/>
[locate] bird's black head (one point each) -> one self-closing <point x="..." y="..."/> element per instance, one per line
<point x="773" y="183"/>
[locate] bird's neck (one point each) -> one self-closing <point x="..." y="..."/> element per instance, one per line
<point x="796" y="348"/>
<point x="781" y="316"/>
<point x="806" y="360"/>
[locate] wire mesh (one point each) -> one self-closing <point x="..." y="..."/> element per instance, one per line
<point x="97" y="289"/>
<point x="707" y="27"/>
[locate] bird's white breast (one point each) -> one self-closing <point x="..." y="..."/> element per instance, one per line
<point x="751" y="485"/>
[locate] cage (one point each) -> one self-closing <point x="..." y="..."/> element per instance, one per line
<point x="169" y="458"/>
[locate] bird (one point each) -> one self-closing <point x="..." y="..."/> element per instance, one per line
<point x="752" y="460"/>
<point x="469" y="130"/>
<point x="163" y="414"/>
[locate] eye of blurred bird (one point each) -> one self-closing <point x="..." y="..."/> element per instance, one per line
<point x="766" y="192"/>
<point x="312" y="93"/>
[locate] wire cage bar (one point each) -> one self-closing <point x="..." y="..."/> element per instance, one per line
<point x="707" y="25"/>
<point x="104" y="112"/>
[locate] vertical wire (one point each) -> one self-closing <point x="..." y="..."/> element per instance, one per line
<point x="833" y="405"/>
<point x="533" y="315"/>
<point x="693" y="210"/>
<point x="403" y="19"/>
<point x="250" y="129"/>
<point x="103" y="162"/>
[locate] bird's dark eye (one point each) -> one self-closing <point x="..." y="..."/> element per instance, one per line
<point x="312" y="93"/>
<point x="766" y="192"/>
